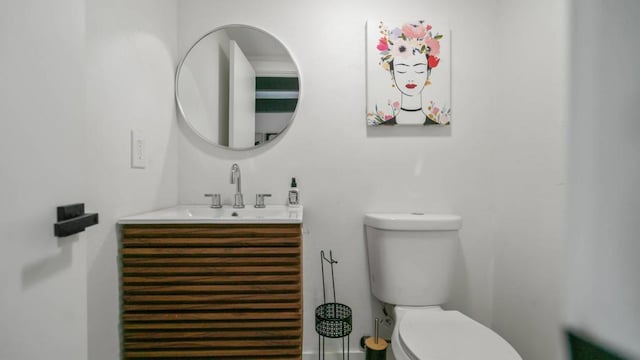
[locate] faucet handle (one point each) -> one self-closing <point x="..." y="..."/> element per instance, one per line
<point x="215" y="200"/>
<point x="260" y="200"/>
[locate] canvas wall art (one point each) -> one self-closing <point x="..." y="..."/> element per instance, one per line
<point x="408" y="73"/>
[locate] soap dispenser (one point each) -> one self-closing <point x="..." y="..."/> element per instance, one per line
<point x="293" y="200"/>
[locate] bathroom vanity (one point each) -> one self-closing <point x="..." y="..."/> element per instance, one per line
<point x="210" y="283"/>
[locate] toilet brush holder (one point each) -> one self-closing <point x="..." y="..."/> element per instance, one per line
<point x="375" y="350"/>
<point x="375" y="347"/>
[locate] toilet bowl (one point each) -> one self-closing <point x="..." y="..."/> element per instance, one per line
<point x="411" y="261"/>
<point x="430" y="333"/>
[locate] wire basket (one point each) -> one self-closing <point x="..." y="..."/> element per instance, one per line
<point x="333" y="320"/>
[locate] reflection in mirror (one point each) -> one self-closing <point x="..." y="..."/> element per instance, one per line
<point x="237" y="87"/>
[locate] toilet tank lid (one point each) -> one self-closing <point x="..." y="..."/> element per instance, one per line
<point x="415" y="221"/>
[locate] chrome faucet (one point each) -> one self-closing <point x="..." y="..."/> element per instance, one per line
<point x="235" y="179"/>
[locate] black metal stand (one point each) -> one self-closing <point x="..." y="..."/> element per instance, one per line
<point x="333" y="320"/>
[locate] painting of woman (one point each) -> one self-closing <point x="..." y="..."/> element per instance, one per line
<point x="408" y="54"/>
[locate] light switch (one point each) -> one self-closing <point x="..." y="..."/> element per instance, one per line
<point x="138" y="150"/>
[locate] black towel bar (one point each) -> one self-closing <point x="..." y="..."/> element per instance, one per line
<point x="72" y="219"/>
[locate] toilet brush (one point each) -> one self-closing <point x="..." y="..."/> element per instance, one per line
<point x="376" y="347"/>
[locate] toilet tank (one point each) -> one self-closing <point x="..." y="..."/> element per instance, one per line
<point x="411" y="256"/>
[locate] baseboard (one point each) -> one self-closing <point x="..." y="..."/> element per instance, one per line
<point x="354" y="355"/>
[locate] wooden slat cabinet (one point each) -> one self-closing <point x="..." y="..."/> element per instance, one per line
<point x="211" y="291"/>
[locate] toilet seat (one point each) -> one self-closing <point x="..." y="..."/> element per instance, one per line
<point x="425" y="334"/>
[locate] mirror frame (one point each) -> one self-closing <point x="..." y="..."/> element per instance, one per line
<point x="181" y="109"/>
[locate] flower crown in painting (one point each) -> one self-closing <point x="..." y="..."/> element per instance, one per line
<point x="412" y="38"/>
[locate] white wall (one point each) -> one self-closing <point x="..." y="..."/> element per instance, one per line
<point x="501" y="168"/>
<point x="530" y="177"/>
<point x="43" y="308"/>
<point x="131" y="59"/>
<point x="603" y="291"/>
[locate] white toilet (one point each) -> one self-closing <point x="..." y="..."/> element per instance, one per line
<point x="411" y="259"/>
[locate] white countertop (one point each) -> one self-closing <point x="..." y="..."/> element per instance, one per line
<point x="203" y="214"/>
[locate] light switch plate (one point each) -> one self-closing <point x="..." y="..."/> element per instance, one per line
<point x="138" y="150"/>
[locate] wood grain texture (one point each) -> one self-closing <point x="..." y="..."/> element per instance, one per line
<point x="211" y="291"/>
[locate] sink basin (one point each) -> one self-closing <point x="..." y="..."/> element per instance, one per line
<point x="203" y="214"/>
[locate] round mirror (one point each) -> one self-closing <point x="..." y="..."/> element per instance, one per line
<point x="237" y="87"/>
